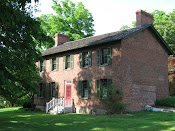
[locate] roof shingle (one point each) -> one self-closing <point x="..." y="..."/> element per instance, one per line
<point x="93" y="40"/>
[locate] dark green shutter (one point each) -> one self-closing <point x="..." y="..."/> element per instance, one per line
<point x="80" y="60"/>
<point x="51" y="65"/>
<point x="56" y="89"/>
<point x="109" y="82"/>
<point x="109" y="55"/>
<point x="71" y="61"/>
<point x="98" y="88"/>
<point x="89" y="89"/>
<point x="79" y="89"/>
<point x="109" y="86"/>
<point x="39" y="67"/>
<point x="50" y="95"/>
<point x="44" y="65"/>
<point x="64" y="62"/>
<point x="38" y="90"/>
<point x="57" y="63"/>
<point x="90" y="58"/>
<point x="43" y="89"/>
<point x="98" y="56"/>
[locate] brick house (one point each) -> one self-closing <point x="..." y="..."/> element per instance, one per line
<point x="171" y="72"/>
<point x="136" y="60"/>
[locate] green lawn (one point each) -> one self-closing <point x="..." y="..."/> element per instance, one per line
<point x="17" y="119"/>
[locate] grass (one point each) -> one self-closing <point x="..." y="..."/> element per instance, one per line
<point x="17" y="119"/>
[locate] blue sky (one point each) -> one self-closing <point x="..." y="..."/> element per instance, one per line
<point x="110" y="15"/>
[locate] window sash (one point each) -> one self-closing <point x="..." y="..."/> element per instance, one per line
<point x="40" y="94"/>
<point x="54" y="64"/>
<point x="102" y="87"/>
<point x="84" y="89"/>
<point x="85" y="59"/>
<point x="53" y="89"/>
<point x="41" y="66"/>
<point x="104" y="56"/>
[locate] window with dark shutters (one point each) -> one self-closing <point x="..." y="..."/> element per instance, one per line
<point x="104" y="56"/>
<point x="54" y="62"/>
<point x="41" y="93"/>
<point x="84" y="89"/>
<point x="53" y="89"/>
<point x="68" y="62"/>
<point x="85" y="59"/>
<point x="102" y="86"/>
<point x="42" y="65"/>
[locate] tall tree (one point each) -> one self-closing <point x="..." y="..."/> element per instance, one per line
<point x="18" y="51"/>
<point x="70" y="19"/>
<point x="164" y="24"/>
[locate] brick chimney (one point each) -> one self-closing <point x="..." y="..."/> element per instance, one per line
<point x="61" y="38"/>
<point x="143" y="17"/>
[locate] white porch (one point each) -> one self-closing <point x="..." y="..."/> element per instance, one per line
<point x="59" y="105"/>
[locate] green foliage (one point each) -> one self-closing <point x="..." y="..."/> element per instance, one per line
<point x="70" y="19"/>
<point x="112" y="101"/>
<point x="168" y="102"/>
<point x="29" y="105"/>
<point x="18" y="51"/>
<point x="4" y="103"/>
<point x="124" y="27"/>
<point x="164" y="23"/>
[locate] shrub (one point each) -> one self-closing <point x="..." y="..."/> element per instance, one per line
<point x="29" y="105"/>
<point x="112" y="101"/>
<point x="169" y="102"/>
<point x="4" y="103"/>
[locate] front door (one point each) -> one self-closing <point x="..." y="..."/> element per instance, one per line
<point x="68" y="94"/>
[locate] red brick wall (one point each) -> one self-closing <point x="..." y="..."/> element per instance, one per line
<point x="145" y="70"/>
<point x="139" y="66"/>
<point x="92" y="73"/>
<point x="171" y="69"/>
<point x="143" y="17"/>
<point x="61" y="38"/>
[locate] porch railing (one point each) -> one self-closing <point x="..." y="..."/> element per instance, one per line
<point x="58" y="102"/>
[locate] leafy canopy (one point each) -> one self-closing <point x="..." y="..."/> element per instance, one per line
<point x="70" y="19"/>
<point x="18" y="51"/>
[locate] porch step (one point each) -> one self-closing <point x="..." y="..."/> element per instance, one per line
<point x="54" y="110"/>
<point x="68" y="110"/>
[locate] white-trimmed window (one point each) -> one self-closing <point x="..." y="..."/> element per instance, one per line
<point x="104" y="56"/>
<point x="85" y="59"/>
<point x="54" y="63"/>
<point x="53" y="89"/>
<point x="68" y="62"/>
<point x="42" y="65"/>
<point x="102" y="87"/>
<point x="84" y="89"/>
<point x="41" y="92"/>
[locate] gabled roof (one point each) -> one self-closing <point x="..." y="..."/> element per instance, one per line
<point x="96" y="40"/>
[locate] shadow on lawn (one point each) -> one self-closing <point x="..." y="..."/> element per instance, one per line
<point x="26" y="120"/>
